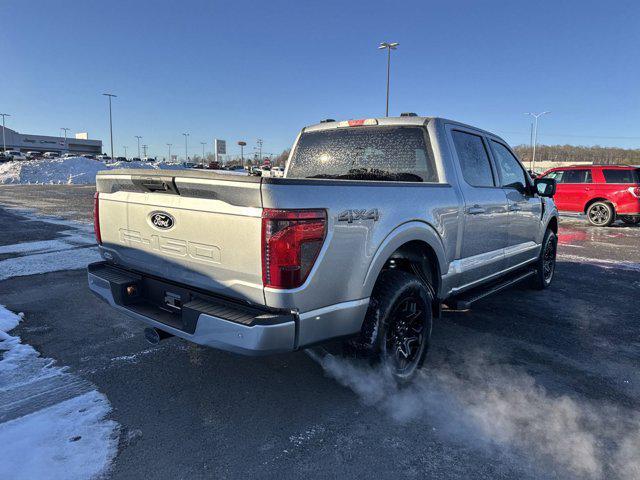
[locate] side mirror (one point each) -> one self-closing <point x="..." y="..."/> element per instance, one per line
<point x="545" y="187"/>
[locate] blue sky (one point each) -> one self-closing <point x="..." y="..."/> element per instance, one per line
<point x="246" y="70"/>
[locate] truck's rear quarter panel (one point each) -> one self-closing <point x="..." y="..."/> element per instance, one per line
<point x="341" y="269"/>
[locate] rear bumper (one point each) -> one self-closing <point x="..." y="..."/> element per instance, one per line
<point x="202" y="319"/>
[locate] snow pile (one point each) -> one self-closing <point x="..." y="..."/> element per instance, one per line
<point x="74" y="170"/>
<point x="52" y="423"/>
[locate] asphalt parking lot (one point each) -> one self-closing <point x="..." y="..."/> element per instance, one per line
<point x="528" y="384"/>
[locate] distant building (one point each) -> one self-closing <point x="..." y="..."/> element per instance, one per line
<point x="41" y="143"/>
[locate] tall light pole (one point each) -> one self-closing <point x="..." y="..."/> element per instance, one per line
<point x="144" y="150"/>
<point x="388" y="46"/>
<point x="4" y="143"/>
<point x="125" y="151"/>
<point x="259" y="142"/>
<point x="138" y="137"/>
<point x="203" y="144"/>
<point x="535" y="135"/>
<point x="110" y="95"/>
<point x="186" y="147"/>
<point x="65" y="130"/>
<point x="169" y="145"/>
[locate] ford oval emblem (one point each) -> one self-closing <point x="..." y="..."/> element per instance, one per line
<point x="162" y="220"/>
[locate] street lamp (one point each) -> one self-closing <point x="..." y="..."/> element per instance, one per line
<point x="388" y="46"/>
<point x="186" y="147"/>
<point x="4" y="143"/>
<point x="242" y="145"/>
<point x="65" y="129"/>
<point x="259" y="142"/>
<point x="144" y="151"/>
<point x="138" y="137"/>
<point x="169" y="145"/>
<point x="535" y="136"/>
<point x="125" y="151"/>
<point x="203" y="144"/>
<point x="110" y="95"/>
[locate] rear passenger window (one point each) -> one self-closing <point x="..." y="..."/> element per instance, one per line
<point x="621" y="176"/>
<point x="474" y="159"/>
<point x="576" y="176"/>
<point x="510" y="170"/>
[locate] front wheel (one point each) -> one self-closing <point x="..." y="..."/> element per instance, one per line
<point x="397" y="327"/>
<point x="546" y="264"/>
<point x="630" y="220"/>
<point x="601" y="214"/>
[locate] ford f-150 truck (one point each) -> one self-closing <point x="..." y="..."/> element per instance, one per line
<point x="375" y="225"/>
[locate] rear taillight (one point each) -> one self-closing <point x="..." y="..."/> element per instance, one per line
<point x="96" y="217"/>
<point x="291" y="241"/>
<point x="635" y="191"/>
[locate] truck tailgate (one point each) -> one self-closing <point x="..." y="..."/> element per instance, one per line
<point x="191" y="227"/>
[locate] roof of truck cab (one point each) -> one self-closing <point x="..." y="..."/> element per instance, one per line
<point x="392" y="121"/>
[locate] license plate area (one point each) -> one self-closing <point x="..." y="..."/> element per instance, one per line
<point x="163" y="302"/>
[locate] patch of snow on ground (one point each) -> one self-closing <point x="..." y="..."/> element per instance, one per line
<point x="73" y="250"/>
<point x="52" y="423"/>
<point x="48" y="262"/>
<point x="74" y="170"/>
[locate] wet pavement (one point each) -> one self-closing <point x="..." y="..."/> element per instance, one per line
<point x="528" y="384"/>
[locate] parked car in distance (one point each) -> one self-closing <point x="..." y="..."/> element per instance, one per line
<point x="51" y="155"/>
<point x="122" y="159"/>
<point x="103" y="156"/>
<point x="4" y="157"/>
<point x="149" y="159"/>
<point x="89" y="156"/>
<point x="15" y="155"/>
<point x="277" y="172"/>
<point x="377" y="223"/>
<point x="602" y="192"/>
<point x="33" y="155"/>
<point x="70" y="155"/>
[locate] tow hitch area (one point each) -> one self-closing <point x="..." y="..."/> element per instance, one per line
<point x="173" y="301"/>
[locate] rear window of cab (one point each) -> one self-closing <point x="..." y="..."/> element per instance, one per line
<point x="401" y="154"/>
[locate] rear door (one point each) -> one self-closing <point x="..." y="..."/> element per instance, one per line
<point x="575" y="187"/>
<point x="485" y="213"/>
<point x="525" y="207"/>
<point x="188" y="227"/>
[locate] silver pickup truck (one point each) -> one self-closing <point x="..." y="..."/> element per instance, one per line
<point x="375" y="225"/>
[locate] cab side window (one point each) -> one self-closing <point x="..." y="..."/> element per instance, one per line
<point x="511" y="172"/>
<point x="474" y="159"/>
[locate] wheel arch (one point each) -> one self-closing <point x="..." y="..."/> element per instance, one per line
<point x="415" y="247"/>
<point x="553" y="224"/>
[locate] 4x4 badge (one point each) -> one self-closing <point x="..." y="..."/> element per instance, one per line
<point x="351" y="216"/>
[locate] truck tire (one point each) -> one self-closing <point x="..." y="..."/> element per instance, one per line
<point x="630" y="220"/>
<point x="397" y="327"/>
<point x="546" y="264"/>
<point x="601" y="214"/>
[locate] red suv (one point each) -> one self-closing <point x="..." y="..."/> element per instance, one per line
<point x="602" y="192"/>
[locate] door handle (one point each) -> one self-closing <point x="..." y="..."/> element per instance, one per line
<point x="514" y="208"/>
<point x="476" y="210"/>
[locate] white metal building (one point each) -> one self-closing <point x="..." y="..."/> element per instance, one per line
<point x="42" y="143"/>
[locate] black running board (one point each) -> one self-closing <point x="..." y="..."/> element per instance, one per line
<point x="465" y="300"/>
